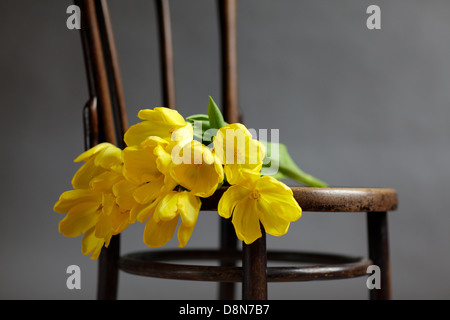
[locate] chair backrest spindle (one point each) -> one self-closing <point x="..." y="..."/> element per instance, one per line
<point x="95" y="66"/>
<point x="113" y="70"/>
<point x="103" y="73"/>
<point x="99" y="115"/>
<point x="228" y="39"/>
<point x="90" y="122"/>
<point x="166" y="53"/>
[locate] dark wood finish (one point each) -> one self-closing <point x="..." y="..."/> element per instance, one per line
<point x="228" y="40"/>
<point x="331" y="199"/>
<point x="113" y="71"/>
<point x="229" y="84"/>
<point x="108" y="270"/>
<point x="90" y="122"/>
<point x="346" y="199"/>
<point x="329" y="271"/>
<point x="166" y="53"/>
<point x="254" y="265"/>
<point x="87" y="52"/>
<point x="228" y="243"/>
<point x="377" y="229"/>
<point x="95" y="65"/>
<point x="148" y="263"/>
<point x="308" y="266"/>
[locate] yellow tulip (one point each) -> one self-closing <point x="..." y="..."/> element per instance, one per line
<point x="92" y="208"/>
<point x="195" y="167"/>
<point x="140" y="161"/>
<point x="235" y="147"/>
<point x="163" y="218"/>
<point x="256" y="200"/>
<point x="103" y="157"/>
<point x="160" y="122"/>
<point x="144" y="166"/>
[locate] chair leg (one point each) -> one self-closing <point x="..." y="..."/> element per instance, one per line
<point x="254" y="265"/>
<point x="228" y="243"/>
<point x="108" y="270"/>
<point x="379" y="253"/>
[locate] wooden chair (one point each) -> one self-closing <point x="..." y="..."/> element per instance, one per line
<point x="105" y="120"/>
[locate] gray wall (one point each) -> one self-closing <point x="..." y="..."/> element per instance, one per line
<point x="355" y="107"/>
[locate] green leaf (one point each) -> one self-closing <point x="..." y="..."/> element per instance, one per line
<point x="198" y="117"/>
<point x="287" y="168"/>
<point x="200" y="124"/>
<point x="279" y="176"/>
<point x="215" y="116"/>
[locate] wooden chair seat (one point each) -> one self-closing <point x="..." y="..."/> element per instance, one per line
<point x="337" y="199"/>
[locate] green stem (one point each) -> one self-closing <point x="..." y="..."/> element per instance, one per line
<point x="303" y="177"/>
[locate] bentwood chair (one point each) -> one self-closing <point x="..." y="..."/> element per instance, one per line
<point x="105" y="120"/>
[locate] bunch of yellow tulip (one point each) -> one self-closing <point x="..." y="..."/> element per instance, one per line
<point x="162" y="175"/>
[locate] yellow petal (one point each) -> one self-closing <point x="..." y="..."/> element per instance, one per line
<point x="239" y="174"/>
<point x="270" y="185"/>
<point x="184" y="234"/>
<point x="279" y="197"/>
<point x="148" y="192"/>
<point x="141" y="212"/>
<point x="189" y="153"/>
<point x="236" y="149"/>
<point x="198" y="172"/>
<point x="289" y="211"/>
<point x="160" y="122"/>
<point x="139" y="164"/>
<point x="109" y="158"/>
<point x="246" y="222"/>
<point x="120" y="221"/>
<point x="163" y="158"/>
<point x="123" y="191"/>
<point x="103" y="228"/>
<point x="271" y="219"/>
<point x="84" y="175"/>
<point x="230" y="198"/>
<point x="140" y="131"/>
<point x="105" y="181"/>
<point x="108" y="203"/>
<point x="227" y="139"/>
<point x="91" y="244"/>
<point x="183" y="135"/>
<point x="169" y="184"/>
<point x="167" y="208"/>
<point x="201" y="180"/>
<point x="92" y="151"/>
<point x="72" y="198"/>
<point x="188" y="208"/>
<point x="162" y="116"/>
<point x="154" y="141"/>
<point x="79" y="219"/>
<point x="157" y="234"/>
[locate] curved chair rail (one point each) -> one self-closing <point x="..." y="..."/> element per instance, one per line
<point x="331" y="199"/>
<point x="325" y="266"/>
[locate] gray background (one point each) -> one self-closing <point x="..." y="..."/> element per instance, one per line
<point x="355" y="107"/>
